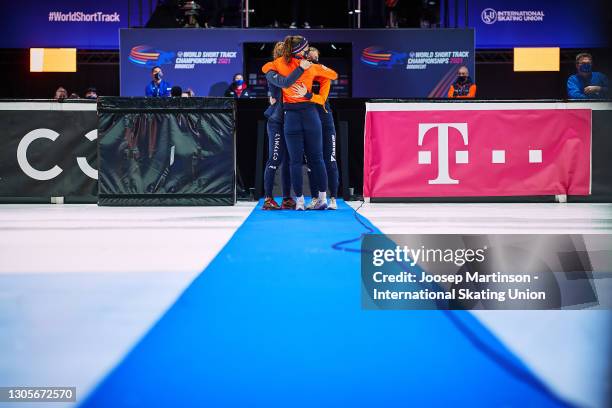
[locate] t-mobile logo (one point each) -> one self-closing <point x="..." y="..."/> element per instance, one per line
<point x="461" y="156"/>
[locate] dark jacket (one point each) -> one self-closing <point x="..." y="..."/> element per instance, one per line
<point x="276" y="81"/>
<point x="232" y="92"/>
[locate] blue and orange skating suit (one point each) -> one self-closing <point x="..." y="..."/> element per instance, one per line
<point x="317" y="72"/>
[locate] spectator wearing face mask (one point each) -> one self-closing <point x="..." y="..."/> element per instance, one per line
<point x="91" y="93"/>
<point x="238" y="88"/>
<point x="586" y="83"/>
<point x="463" y="87"/>
<point x="60" y="93"/>
<point x="158" y="87"/>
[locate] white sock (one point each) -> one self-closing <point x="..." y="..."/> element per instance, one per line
<point x="300" y="199"/>
<point x="323" y="196"/>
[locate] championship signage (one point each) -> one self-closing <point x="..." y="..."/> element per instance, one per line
<point x="385" y="63"/>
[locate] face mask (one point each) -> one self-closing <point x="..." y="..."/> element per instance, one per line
<point x="239" y="82"/>
<point x="158" y="75"/>
<point x="461" y="79"/>
<point x="585" y="68"/>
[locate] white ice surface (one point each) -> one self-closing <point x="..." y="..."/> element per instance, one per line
<point x="569" y="350"/>
<point x="81" y="284"/>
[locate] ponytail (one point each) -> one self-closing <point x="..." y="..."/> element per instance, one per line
<point x="288" y="43"/>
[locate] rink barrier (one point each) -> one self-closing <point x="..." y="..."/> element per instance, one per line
<point x="166" y="151"/>
<point x="76" y="123"/>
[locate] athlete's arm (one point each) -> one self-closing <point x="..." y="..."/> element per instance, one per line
<point x="321" y="97"/>
<point x="281" y="81"/>
<point x="268" y="66"/>
<point x="325" y="72"/>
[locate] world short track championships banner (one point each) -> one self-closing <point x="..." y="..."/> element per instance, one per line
<point x="475" y="149"/>
<point x="385" y="63"/>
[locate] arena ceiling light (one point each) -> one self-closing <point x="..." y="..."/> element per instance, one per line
<point x="537" y="59"/>
<point x="53" y="60"/>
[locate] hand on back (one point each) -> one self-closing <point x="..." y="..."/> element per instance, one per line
<point x="305" y="64"/>
<point x="299" y="89"/>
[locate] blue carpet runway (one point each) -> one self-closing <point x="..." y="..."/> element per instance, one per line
<point x="276" y="321"/>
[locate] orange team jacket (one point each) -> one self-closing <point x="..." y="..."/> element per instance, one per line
<point x="471" y="92"/>
<point x="316" y="72"/>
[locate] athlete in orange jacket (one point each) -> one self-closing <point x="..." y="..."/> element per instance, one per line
<point x="319" y="73"/>
<point x="302" y="126"/>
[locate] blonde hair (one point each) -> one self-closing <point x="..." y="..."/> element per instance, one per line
<point x="279" y="50"/>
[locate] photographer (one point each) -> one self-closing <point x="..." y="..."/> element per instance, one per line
<point x="158" y="87"/>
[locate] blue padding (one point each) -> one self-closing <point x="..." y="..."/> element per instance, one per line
<point x="276" y="321"/>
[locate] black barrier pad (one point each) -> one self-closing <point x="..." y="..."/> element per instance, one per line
<point x="171" y="200"/>
<point x="46" y="139"/>
<point x="124" y="104"/>
<point x="166" y="151"/>
<point x="601" y="160"/>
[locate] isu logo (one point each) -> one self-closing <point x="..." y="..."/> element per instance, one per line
<point x="488" y="16"/>
<point x="28" y="169"/>
<point x="461" y="156"/>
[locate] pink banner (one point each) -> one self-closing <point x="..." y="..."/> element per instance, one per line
<point x="473" y="152"/>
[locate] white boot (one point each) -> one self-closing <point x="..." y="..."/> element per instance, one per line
<point x="312" y="204"/>
<point x="322" y="201"/>
<point x="299" y="203"/>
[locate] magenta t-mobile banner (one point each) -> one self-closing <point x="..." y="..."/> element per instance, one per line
<point x="476" y="149"/>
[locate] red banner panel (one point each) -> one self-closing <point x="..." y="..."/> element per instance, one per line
<point x="480" y="150"/>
